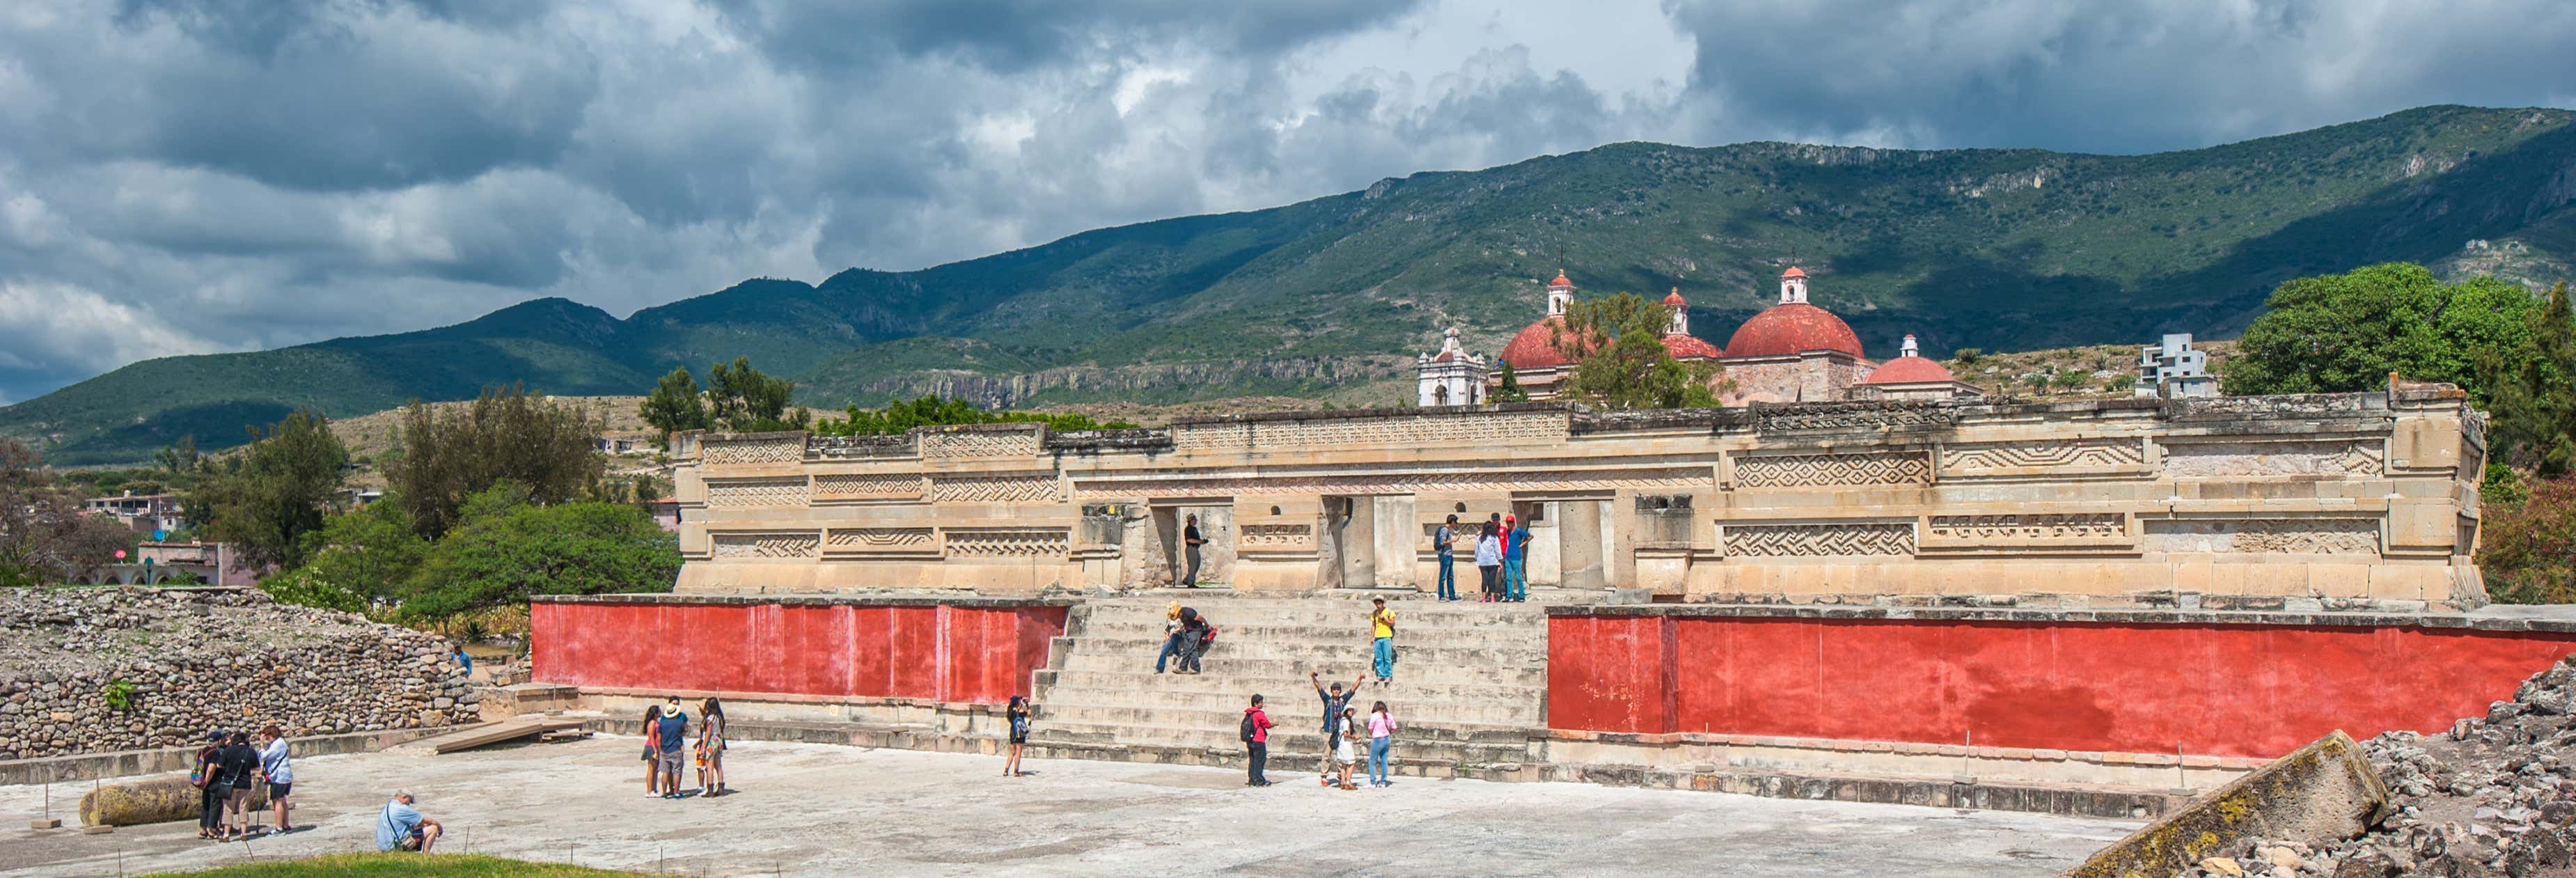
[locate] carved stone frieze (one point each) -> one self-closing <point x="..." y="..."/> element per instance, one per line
<point x="861" y="447"/>
<point x="2311" y="536"/>
<point x="1275" y="536"/>
<point x="741" y="493"/>
<point x="1808" y="416"/>
<point x="1400" y="483"/>
<point x="770" y="449"/>
<point x="1035" y="543"/>
<point x="2322" y="457"/>
<point x="1815" y="470"/>
<point x="2028" y="528"/>
<point x="867" y="486"/>
<point x="993" y="489"/>
<point x="764" y="545"/>
<point x="1838" y="538"/>
<point x="878" y="539"/>
<point x="1972" y="458"/>
<point x="980" y="443"/>
<point x="1392" y="431"/>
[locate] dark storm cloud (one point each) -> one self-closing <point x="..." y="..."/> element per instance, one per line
<point x="194" y="175"/>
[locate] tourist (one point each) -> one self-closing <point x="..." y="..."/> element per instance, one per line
<point x="1442" y="539"/>
<point x="210" y="804"/>
<point x="711" y="748"/>
<point x="1489" y="558"/>
<point x="1381" y="729"/>
<point x="1018" y="716"/>
<point x="1335" y="701"/>
<point x="1515" y="554"/>
<point x="463" y="660"/>
<point x="399" y="828"/>
<point x="1343" y="752"/>
<point x="1256" y="743"/>
<point x="669" y="733"/>
<point x="236" y="769"/>
<point x="652" y="752"/>
<point x="1197" y="634"/>
<point x="1171" y="636"/>
<point x="1191" y="541"/>
<point x="280" y="774"/>
<point x="1382" y="634"/>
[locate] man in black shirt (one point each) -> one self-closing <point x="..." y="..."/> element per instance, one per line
<point x="1191" y="541"/>
<point x="1334" y="701"/>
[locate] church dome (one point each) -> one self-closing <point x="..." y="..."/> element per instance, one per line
<point x="1688" y="346"/>
<point x="1792" y="328"/>
<point x="1535" y="346"/>
<point x="1908" y="370"/>
<point x="1675" y="299"/>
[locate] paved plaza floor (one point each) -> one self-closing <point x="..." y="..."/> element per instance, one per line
<point x="817" y="809"/>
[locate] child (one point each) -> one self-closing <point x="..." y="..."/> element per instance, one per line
<point x="1342" y="751"/>
<point x="652" y="752"/>
<point x="1019" y="717"/>
<point x="711" y="747"/>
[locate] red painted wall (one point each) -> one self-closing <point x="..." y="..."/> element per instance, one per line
<point x="956" y="654"/>
<point x="2227" y="690"/>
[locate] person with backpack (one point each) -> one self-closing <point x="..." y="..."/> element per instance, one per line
<point x="1336" y="700"/>
<point x="1443" y="539"/>
<point x="1256" y="743"/>
<point x="1382" y="640"/>
<point x="401" y="828"/>
<point x="1017" y="714"/>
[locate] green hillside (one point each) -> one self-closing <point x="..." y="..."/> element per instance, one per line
<point x="1995" y="249"/>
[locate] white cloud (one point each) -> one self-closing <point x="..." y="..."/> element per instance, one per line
<point x="63" y="323"/>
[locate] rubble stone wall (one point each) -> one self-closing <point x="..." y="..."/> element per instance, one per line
<point x="192" y="659"/>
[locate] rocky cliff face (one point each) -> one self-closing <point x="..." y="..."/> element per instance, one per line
<point x="1169" y="382"/>
<point x="95" y="669"/>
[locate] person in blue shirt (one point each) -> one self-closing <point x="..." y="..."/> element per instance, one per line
<point x="670" y="731"/>
<point x="1443" y="539"/>
<point x="399" y="828"/>
<point x="1515" y="554"/>
<point x="274" y="765"/>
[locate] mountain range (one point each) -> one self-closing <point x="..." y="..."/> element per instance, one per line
<point x="2000" y="249"/>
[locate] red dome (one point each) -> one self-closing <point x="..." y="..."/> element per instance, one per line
<point x="1535" y="346"/>
<point x="1908" y="370"/>
<point x="1793" y="272"/>
<point x="1674" y="298"/>
<point x="1687" y="346"/>
<point x="1560" y="281"/>
<point x="1794" y="328"/>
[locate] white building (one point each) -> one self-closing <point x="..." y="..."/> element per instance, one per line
<point x="1450" y="377"/>
<point x="2172" y="369"/>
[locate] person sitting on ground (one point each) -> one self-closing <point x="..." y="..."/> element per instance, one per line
<point x="669" y="733"/>
<point x="1171" y="636"/>
<point x="1197" y="634"/>
<point x="1335" y="700"/>
<point x="399" y="828"/>
<point x="652" y="752"/>
<point x="711" y="747"/>
<point x="273" y="765"/>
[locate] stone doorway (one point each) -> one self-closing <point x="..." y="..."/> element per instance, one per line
<point x="1367" y="542"/>
<point x="1570" y="539"/>
<point x="1216" y="525"/>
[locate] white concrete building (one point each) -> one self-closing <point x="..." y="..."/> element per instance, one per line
<point x="2172" y="369"/>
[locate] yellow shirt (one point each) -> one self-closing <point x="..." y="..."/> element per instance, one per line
<point x="1382" y="623"/>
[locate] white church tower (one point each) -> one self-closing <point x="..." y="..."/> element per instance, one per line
<point x="1560" y="292"/>
<point x="1453" y="376"/>
<point x="1793" y="286"/>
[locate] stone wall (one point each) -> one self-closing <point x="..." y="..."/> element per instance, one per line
<point x="2362" y="496"/>
<point x="206" y="658"/>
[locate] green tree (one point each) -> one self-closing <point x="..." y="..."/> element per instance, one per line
<point x="500" y="559"/>
<point x="1510" y="389"/>
<point x="304" y="588"/>
<point x="2528" y="551"/>
<point x="2121" y="384"/>
<point x="1967" y="356"/>
<point x="932" y="411"/>
<point x="276" y="491"/>
<point x="372" y="552"/>
<point x="2346" y="332"/>
<point x="742" y="400"/>
<point x="676" y="405"/>
<point x="2070" y="379"/>
<point x="179" y="459"/>
<point x="2529" y="392"/>
<point x="43" y="536"/>
<point x="1619" y="341"/>
<point x="449" y="453"/>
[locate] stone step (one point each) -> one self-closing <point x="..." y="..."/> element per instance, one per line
<point x="1486" y="655"/>
<point x="1407" y="635"/>
<point x="1220" y="664"/>
<point x="1139" y="684"/>
<point x="1462" y="615"/>
<point x="1414" y="744"/>
<point x="1228" y="715"/>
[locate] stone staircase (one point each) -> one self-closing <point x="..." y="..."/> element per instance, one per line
<point x="1469" y="692"/>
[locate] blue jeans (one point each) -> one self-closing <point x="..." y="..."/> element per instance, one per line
<point x="1171" y="647"/>
<point x="1386" y="658"/>
<point x="1515" y="585"/>
<point x="1377" y="758"/>
<point x="1448" y="577"/>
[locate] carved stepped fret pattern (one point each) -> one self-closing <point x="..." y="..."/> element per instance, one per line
<point x="2019" y="455"/>
<point x="2011" y="528"/>
<point x="1273" y="536"/>
<point x="992" y="489"/>
<point x="867" y="486"/>
<point x="980" y="443"/>
<point x="978" y="543"/>
<point x="1398" y="432"/>
<point x="784" y="449"/>
<point x="2311" y="536"/>
<point x="793" y="545"/>
<point x="860" y="447"/>
<point x="1399" y="483"/>
<point x="1811" y="470"/>
<point x="879" y="539"/>
<point x="1783" y="540"/>
<point x="738" y="493"/>
<point x="2333" y="457"/>
<point x="1777" y="418"/>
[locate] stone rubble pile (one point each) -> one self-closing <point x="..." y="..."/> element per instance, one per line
<point x="188" y="660"/>
<point x="2495" y="795"/>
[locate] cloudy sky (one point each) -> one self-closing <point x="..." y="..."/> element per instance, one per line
<point x="181" y="176"/>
